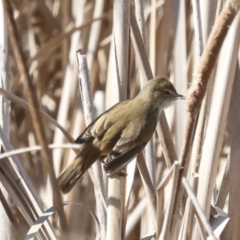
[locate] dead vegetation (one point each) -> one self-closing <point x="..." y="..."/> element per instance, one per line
<point x="186" y="183"/>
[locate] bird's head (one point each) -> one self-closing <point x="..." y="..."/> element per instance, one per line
<point x="160" y="92"/>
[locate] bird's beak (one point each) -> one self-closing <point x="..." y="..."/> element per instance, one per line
<point x="179" y="96"/>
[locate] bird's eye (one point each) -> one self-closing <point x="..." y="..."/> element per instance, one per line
<point x="167" y="93"/>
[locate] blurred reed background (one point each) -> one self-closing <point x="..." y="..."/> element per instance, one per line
<point x="123" y="43"/>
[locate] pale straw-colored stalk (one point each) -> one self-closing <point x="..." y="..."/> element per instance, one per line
<point x="233" y="230"/>
<point x="4" y="115"/>
<point x="37" y="122"/>
<point x="89" y="113"/>
<point x="180" y="74"/>
<point x="120" y="45"/>
<point x="21" y="190"/>
<point x="218" y="115"/>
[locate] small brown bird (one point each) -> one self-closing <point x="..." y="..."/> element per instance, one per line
<point x="120" y="132"/>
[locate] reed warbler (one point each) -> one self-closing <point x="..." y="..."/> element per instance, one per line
<point x="117" y="135"/>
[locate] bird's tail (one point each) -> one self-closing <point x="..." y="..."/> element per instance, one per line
<point x="71" y="174"/>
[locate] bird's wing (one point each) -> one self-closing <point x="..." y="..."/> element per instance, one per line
<point x="96" y="128"/>
<point x="130" y="143"/>
<point x="99" y="125"/>
<point x="133" y="139"/>
<point x="117" y="160"/>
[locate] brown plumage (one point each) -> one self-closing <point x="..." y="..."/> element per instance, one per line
<point x="120" y="132"/>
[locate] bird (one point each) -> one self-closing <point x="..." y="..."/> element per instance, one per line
<point x="120" y="133"/>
